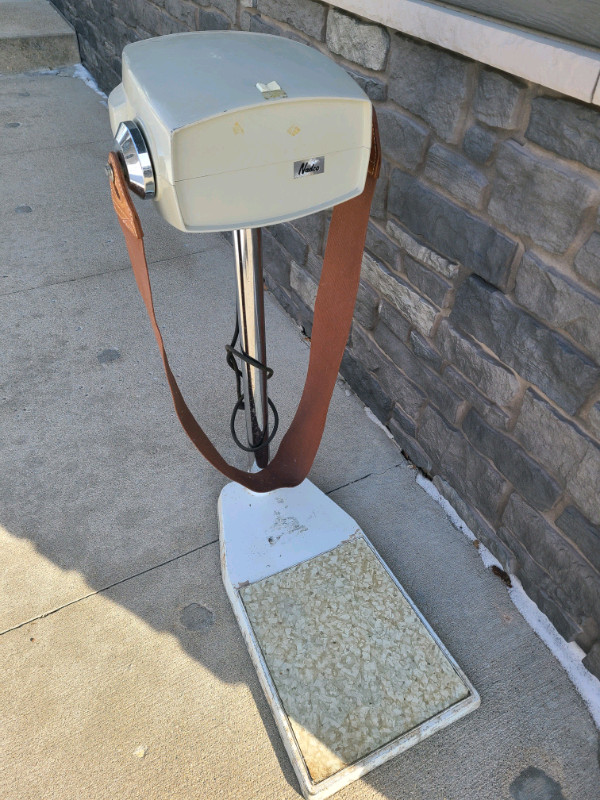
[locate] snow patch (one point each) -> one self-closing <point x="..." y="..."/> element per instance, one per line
<point x="377" y="422"/>
<point x="568" y="654"/>
<point x="79" y="71"/>
<point x="75" y="71"/>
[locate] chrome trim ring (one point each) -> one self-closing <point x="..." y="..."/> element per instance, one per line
<point x="135" y="157"/>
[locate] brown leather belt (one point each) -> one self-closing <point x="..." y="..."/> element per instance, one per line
<point x="334" y="308"/>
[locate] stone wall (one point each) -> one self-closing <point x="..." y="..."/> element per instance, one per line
<point x="477" y="330"/>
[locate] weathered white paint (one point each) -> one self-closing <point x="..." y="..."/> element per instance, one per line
<point x="262" y="534"/>
<point x="567" y="68"/>
<point x="269" y="532"/>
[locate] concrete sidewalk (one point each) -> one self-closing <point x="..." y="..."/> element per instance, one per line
<point x="33" y="35"/>
<point x="124" y="673"/>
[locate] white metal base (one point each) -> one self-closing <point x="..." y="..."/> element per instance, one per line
<point x="264" y="535"/>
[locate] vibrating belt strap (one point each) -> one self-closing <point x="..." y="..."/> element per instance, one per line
<point x="334" y="308"/>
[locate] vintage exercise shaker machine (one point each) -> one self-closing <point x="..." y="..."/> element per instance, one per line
<point x="235" y="131"/>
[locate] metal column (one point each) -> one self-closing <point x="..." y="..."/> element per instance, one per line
<point x="251" y="318"/>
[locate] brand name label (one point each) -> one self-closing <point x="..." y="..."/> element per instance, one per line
<point x="310" y="166"/>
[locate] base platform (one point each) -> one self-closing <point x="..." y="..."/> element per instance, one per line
<point x="352" y="671"/>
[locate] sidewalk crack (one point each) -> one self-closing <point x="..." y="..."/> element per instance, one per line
<point x="65" y="281"/>
<point x="106" y="588"/>
<point x="113" y="271"/>
<point x="364" y="477"/>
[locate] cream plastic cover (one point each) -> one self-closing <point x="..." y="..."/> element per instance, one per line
<point x="244" y="129"/>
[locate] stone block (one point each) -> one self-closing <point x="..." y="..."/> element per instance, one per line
<point x="540" y="587"/>
<point x="139" y="14"/>
<point x="582" y="533"/>
<point x="525" y="474"/>
<point x="367" y="306"/>
<point x="536" y="353"/>
<point x="587" y="261"/>
<point x="294" y="242"/>
<point x="402" y="139"/>
<point x="409" y="446"/>
<point x="142" y="33"/>
<point x="394" y="322"/>
<point x="594" y="419"/>
<point x="566" y="127"/>
<point x="379" y="203"/>
<point x="408" y="425"/>
<point x="292" y="304"/>
<point x="425" y="351"/>
<point x="123" y="34"/>
<point x="276" y="261"/>
<point x="162" y="24"/>
<point x="479" y="144"/>
<point x="314" y="265"/>
<point x="418" y="373"/>
<point x="592" y="660"/>
<point x="560" y="301"/>
<point x="577" y="583"/>
<point x="392" y="381"/>
<point x="181" y="10"/>
<point x="590" y="633"/>
<point x="307" y="16"/>
<point x="257" y="24"/>
<point x="393" y="289"/>
<point x="476" y="524"/>
<point x="357" y="40"/>
<point x="459" y="463"/>
<point x="107" y="76"/>
<point x="491" y="377"/>
<point x="427" y="282"/>
<point x="454" y="232"/>
<point x="430" y="83"/>
<point x="381" y="246"/>
<point x="563" y="449"/>
<point x="538" y="197"/>
<point x="301" y="313"/>
<point x="373" y="87"/>
<point x="564" y="623"/>
<point x="212" y="21"/>
<point x="456" y="175"/>
<point x="87" y="30"/>
<point x="417" y="250"/>
<point x="313" y="229"/>
<point x="463" y="388"/>
<point x="229" y="7"/>
<point x="303" y="284"/>
<point x="366" y="387"/>
<point x="110" y="27"/>
<point x="498" y="100"/>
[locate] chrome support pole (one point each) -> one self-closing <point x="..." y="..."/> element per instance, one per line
<point x="251" y="318"/>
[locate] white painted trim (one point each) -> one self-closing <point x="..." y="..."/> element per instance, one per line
<point x="565" y="67"/>
<point x="568" y="654"/>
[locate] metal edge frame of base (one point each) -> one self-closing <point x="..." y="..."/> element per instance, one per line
<point x="332" y="784"/>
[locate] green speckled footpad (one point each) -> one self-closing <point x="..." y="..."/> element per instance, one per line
<point x="353" y="665"/>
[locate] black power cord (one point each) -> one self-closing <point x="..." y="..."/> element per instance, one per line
<point x="232" y="354"/>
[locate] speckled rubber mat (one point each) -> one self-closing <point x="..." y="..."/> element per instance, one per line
<point x="352" y="663"/>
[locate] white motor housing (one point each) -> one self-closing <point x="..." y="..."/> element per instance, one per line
<point x="243" y="129"/>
